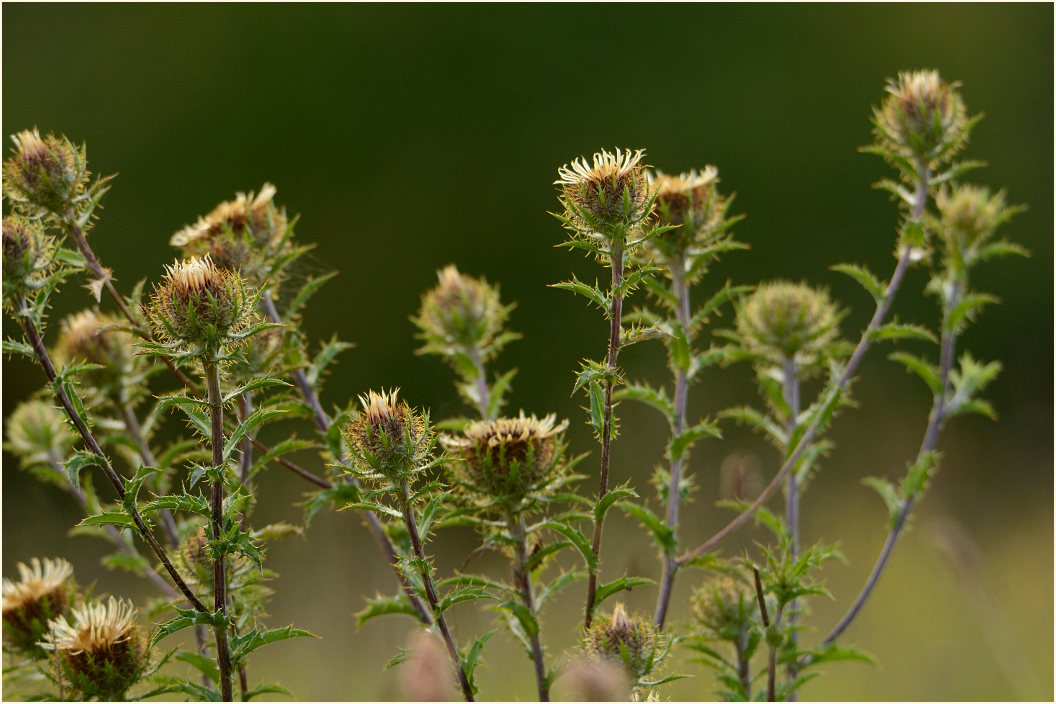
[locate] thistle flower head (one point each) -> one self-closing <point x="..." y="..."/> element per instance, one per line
<point x="609" y="194"/>
<point x="28" y="259"/>
<point x="922" y="117"/>
<point x="461" y="313"/>
<point x="785" y="320"/>
<point x="632" y="640"/>
<point x="691" y="202"/>
<point x="38" y="433"/>
<point x="90" y="336"/>
<point x="43" y="593"/>
<point x="724" y="608"/>
<point x="198" y="305"/>
<point x="45" y="173"/>
<point x="388" y="436"/>
<point x="509" y="459"/>
<point x="100" y="647"/>
<point x="969" y="215"/>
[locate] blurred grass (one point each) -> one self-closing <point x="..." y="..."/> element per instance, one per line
<point x="411" y="136"/>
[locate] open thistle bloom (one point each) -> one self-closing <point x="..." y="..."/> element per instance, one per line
<point x="38" y="433"/>
<point x="388" y="436"/>
<point x="45" y="173"/>
<point x="632" y="640"/>
<point x="28" y="260"/>
<point x="608" y="196"/>
<point x="510" y="459"/>
<point x="460" y="314"/>
<point x="784" y="320"/>
<point x="100" y="648"/>
<point x="922" y="118"/>
<point x="725" y="608"/>
<point x="43" y="593"/>
<point x="198" y="305"/>
<point x="691" y="202"/>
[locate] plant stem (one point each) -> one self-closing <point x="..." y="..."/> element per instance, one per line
<point x="483" y="393"/>
<point x="245" y="448"/>
<point x="168" y="524"/>
<point x="882" y="307"/>
<point x="680" y="289"/>
<point x="615" y="326"/>
<point x="323" y="423"/>
<point x="430" y="591"/>
<point x="37" y="344"/>
<point x="744" y="670"/>
<point x="790" y="387"/>
<point x="216" y="501"/>
<point x="522" y="577"/>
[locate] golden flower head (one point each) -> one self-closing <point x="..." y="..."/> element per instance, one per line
<point x="100" y="647"/>
<point x="45" y="172"/>
<point x="461" y="312"/>
<point x="509" y="459"/>
<point x="692" y="203"/>
<point x="781" y="319"/>
<point x="28" y="259"/>
<point x="42" y="593"/>
<point x="198" y="304"/>
<point x="38" y="433"/>
<point x="388" y="436"/>
<point x="611" y="193"/>
<point x="724" y="608"/>
<point x="922" y="117"/>
<point x="632" y="640"/>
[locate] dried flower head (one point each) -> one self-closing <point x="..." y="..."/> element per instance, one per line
<point x="43" y="593"/>
<point x="509" y="459"/>
<point x="725" y="609"/>
<point x="198" y="305"/>
<point x="100" y="647"/>
<point x="46" y="173"/>
<point x="461" y="313"/>
<point x="609" y="195"/>
<point x="632" y="640"/>
<point x="388" y="436"/>
<point x="922" y="117"/>
<point x="38" y="433"/>
<point x="28" y="260"/>
<point x="784" y="320"/>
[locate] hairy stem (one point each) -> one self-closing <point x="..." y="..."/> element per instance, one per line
<point x="430" y="591"/>
<point x="615" y="326"/>
<point x="168" y="523"/>
<point x="790" y="388"/>
<point x="680" y="289"/>
<point x="483" y="393"/>
<point x="216" y="502"/>
<point x="522" y="577"/>
<point x="35" y="341"/>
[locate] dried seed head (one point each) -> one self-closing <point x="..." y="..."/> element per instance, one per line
<point x="38" y="433"/>
<point x="28" y="260"/>
<point x="460" y="313"/>
<point x="45" y="173"/>
<point x="509" y="459"/>
<point x="426" y="676"/>
<point x="43" y="593"/>
<point x="969" y="215"/>
<point x="198" y="304"/>
<point x="100" y="647"/>
<point x="388" y="436"/>
<point x="922" y="117"/>
<point x="632" y="640"/>
<point x="594" y="680"/>
<point x="781" y="319"/>
<point x="724" y="608"/>
<point x="611" y="193"/>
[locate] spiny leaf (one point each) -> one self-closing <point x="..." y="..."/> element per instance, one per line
<point x="254" y="385"/>
<point x="593" y="293"/>
<point x="681" y="443"/>
<point x="384" y="606"/>
<point x="662" y="535"/>
<point x="618" y="585"/>
<point x="918" y="366"/>
<point x="523" y="615"/>
<point x="865" y="279"/>
<point x="243" y="645"/>
<point x="612" y="496"/>
<point x="644" y="393"/>
<point x="900" y="331"/>
<point x="109" y="518"/>
<point x="578" y="540"/>
<point x="186" y="619"/>
<point x="256" y="418"/>
<point x="888" y="493"/>
<point x="472" y="658"/>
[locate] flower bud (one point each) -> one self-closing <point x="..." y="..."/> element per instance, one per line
<point x="509" y="459"/>
<point x="38" y="433"/>
<point x="969" y="215"/>
<point x="198" y="305"/>
<point x="389" y="437"/>
<point x="611" y="194"/>
<point x="922" y="118"/>
<point x="724" y="608"/>
<point x="47" y="173"/>
<point x="461" y="313"/>
<point x="43" y="593"/>
<point x="692" y="202"/>
<point x="89" y="336"/>
<point x="28" y="260"/>
<point x="100" y="648"/>
<point x="631" y="640"/>
<point x="784" y="320"/>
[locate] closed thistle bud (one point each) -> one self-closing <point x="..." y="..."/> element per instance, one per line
<point x="100" y="648"/>
<point x="612" y="194"/>
<point x="46" y="173"/>
<point x="28" y="260"/>
<point x="89" y="336"/>
<point x="725" y="609"/>
<point x="632" y="640"/>
<point x="509" y="459"/>
<point x="38" y="433"/>
<point x="460" y="313"/>
<point x="969" y="215"/>
<point x="388" y="436"/>
<point x="43" y="593"/>
<point x="922" y="117"/>
<point x="692" y="202"/>
<point x="784" y="320"/>
<point x="198" y="305"/>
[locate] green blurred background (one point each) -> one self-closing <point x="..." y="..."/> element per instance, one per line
<point x="412" y="136"/>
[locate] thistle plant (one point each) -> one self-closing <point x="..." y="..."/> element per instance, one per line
<point x="225" y="324"/>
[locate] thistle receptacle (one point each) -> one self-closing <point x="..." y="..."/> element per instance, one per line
<point x="45" y="174"/>
<point x="632" y="640"/>
<point x="389" y="437"/>
<point x="44" y="592"/>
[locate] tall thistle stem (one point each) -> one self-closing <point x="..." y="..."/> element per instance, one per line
<point x="522" y="577"/>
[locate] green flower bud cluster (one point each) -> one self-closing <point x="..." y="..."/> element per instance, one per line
<point x="968" y="217"/>
<point x="461" y="313"/>
<point x="28" y="260"/>
<point x="44" y="592"/>
<point x="38" y="433"/>
<point x="45" y="174"/>
<point x="922" y="118"/>
<point x="389" y="437"/>
<point x="784" y="320"/>
<point x="92" y="337"/>
<point x="632" y="640"/>
<point x="606" y="197"/>
<point x="725" y="608"/>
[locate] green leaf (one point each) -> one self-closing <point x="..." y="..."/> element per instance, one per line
<point x="644" y="393"/>
<point x="928" y="374"/>
<point x="966" y="310"/>
<point x="109" y="518"/>
<point x="254" y="385"/>
<point x="498" y="392"/>
<point x="398" y="659"/>
<point x="191" y="408"/>
<point x="460" y="595"/>
<point x="79" y="461"/>
<point x="618" y="585"/>
<point x="13" y="347"/>
<point x="637" y="333"/>
<point x="370" y="506"/>
<point x="901" y="331"/>
<point x="1001" y="248"/>
<point x="917" y="477"/>
<point x="523" y="615"/>
<point x="578" y="540"/>
<point x="256" y="418"/>
<point x="681" y="443"/>
<point x="324" y="358"/>
<point x="835" y="653"/>
<point x="385" y="606"/>
<point x="593" y="293"/>
<point x="201" y="663"/>
<point x="873" y="286"/>
<point x="243" y="645"/>
<point x="265" y="689"/>
<point x="136" y="564"/>
<point x="186" y="619"/>
<point x="888" y="493"/>
<point x="472" y="658"/>
<point x="313" y="284"/>
<point x="751" y="417"/>
<point x="555" y="585"/>
<point x="662" y="535"/>
<point x="612" y="496"/>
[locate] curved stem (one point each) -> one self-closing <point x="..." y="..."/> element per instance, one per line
<point x="522" y="577"/>
<point x="216" y="503"/>
<point x="615" y="326"/>
<point x="168" y="524"/>
<point x="430" y="591"/>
